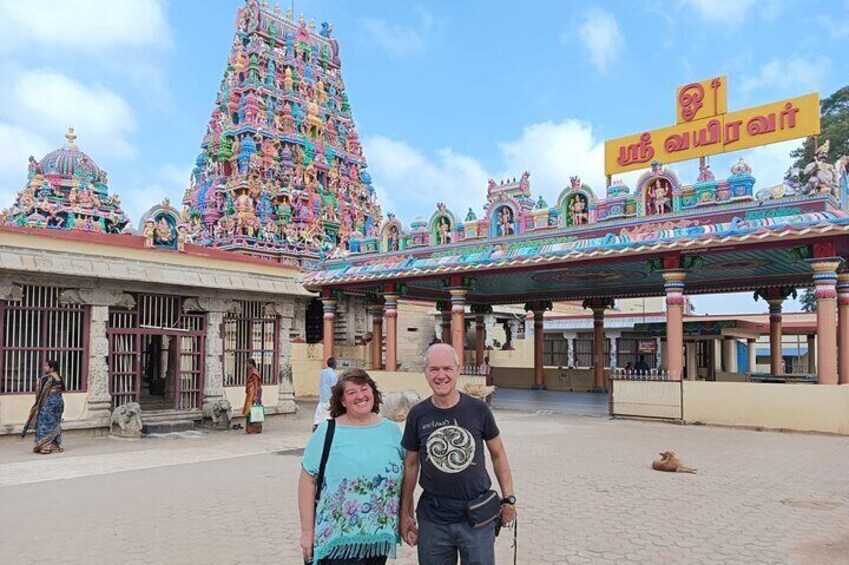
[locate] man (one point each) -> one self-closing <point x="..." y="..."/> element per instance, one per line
<point x="641" y="368"/>
<point x="444" y="439"/>
<point x="326" y="379"/>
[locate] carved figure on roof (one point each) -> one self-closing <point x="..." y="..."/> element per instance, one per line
<point x="505" y="221"/>
<point x="444" y="230"/>
<point x="578" y="215"/>
<point x="822" y="177"/>
<point x="659" y="201"/>
<point x="471" y="216"/>
<point x="164" y="233"/>
<point x="149" y="230"/>
<point x="705" y="174"/>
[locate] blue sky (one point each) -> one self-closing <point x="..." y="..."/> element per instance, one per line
<point x="445" y="94"/>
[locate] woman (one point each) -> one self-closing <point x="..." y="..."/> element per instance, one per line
<point x="46" y="413"/>
<point x="253" y="397"/>
<point x="356" y="518"/>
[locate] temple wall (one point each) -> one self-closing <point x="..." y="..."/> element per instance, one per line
<point x="574" y="380"/>
<point x="820" y="408"/>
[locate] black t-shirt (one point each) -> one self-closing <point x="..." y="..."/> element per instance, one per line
<point x="450" y="443"/>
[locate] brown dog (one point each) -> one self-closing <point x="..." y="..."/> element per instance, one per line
<point x="671" y="463"/>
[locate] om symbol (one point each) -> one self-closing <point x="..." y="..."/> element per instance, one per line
<point x="690" y="100"/>
<point x="451" y="449"/>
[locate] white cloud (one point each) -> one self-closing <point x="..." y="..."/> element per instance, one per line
<point x="47" y="101"/>
<point x="600" y="34"/>
<point x="792" y="75"/>
<point x="398" y="40"/>
<point x="732" y="12"/>
<point x="142" y="190"/>
<point x="83" y="25"/>
<point x="553" y="152"/>
<point x="414" y="183"/>
<point x="18" y="144"/>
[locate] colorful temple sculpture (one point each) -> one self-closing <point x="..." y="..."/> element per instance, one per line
<point x="66" y="190"/>
<point x="281" y="172"/>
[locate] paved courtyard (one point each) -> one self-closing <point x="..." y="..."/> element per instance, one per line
<point x="586" y="495"/>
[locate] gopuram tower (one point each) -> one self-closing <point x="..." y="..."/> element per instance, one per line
<point x="281" y="173"/>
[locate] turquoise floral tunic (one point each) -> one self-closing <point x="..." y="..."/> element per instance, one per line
<point x="357" y="514"/>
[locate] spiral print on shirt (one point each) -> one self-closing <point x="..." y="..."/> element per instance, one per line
<point x="451" y="449"/>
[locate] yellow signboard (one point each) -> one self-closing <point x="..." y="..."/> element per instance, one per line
<point x="703" y="99"/>
<point x="706" y="128"/>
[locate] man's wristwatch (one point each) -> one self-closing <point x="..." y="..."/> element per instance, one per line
<point x="511" y="500"/>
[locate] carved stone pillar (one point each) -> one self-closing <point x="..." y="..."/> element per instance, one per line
<point x="674" y="287"/>
<point x="539" y="339"/>
<point x="753" y="354"/>
<point x="285" y="312"/>
<point x="377" y="339"/>
<point x="843" y="328"/>
<point x="458" y="322"/>
<point x="825" y="279"/>
<point x="812" y="354"/>
<point x="390" y="313"/>
<point x="444" y="307"/>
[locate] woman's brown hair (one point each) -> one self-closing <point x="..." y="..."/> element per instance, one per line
<point x="358" y="377"/>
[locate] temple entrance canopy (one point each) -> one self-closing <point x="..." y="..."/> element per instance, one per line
<point x="664" y="237"/>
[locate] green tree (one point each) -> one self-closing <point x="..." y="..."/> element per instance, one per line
<point x="834" y="122"/>
<point x="808" y="300"/>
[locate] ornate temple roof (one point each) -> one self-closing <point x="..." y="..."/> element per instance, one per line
<point x="281" y="172"/>
<point x="67" y="190"/>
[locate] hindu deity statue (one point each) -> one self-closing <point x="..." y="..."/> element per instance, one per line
<point x="505" y="221"/>
<point x="659" y="197"/>
<point x="822" y="175"/>
<point x="578" y="215"/>
<point x="444" y="230"/>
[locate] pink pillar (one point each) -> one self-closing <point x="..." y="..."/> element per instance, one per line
<point x="674" y="287"/>
<point x="825" y="280"/>
<point x="390" y="312"/>
<point x="327" y="335"/>
<point x="377" y="340"/>
<point x="458" y="322"/>
<point x="539" y="338"/>
<point x="776" y="362"/>
<point x="598" y="347"/>
<point x="843" y="328"/>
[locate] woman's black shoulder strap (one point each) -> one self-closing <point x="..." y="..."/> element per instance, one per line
<point x="328" y="440"/>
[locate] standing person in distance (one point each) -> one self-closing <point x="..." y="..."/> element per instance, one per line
<point x="326" y="379"/>
<point x="444" y="438"/>
<point x="253" y="397"/>
<point x="46" y="413"/>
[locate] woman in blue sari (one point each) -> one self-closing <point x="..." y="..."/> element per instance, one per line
<point x="46" y="413"/>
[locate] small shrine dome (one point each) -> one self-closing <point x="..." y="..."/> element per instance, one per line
<point x="65" y="160"/>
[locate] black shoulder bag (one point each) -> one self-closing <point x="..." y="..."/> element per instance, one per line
<point x="319" y="480"/>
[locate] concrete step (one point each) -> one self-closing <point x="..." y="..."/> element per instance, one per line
<point x="167" y="427"/>
<point x="155" y="416"/>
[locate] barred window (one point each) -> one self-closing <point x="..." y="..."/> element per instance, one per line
<point x="631" y="346"/>
<point x="554" y="350"/>
<point x="583" y="350"/>
<point x="38" y="328"/>
<point x="250" y="334"/>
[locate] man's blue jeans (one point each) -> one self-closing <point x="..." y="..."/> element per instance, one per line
<point x="440" y="544"/>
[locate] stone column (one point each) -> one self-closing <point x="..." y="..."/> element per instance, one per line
<point x="812" y="354"/>
<point x="286" y="390"/>
<point x="480" y="337"/>
<point x="843" y="328"/>
<point x="691" y="349"/>
<point x="377" y="340"/>
<point x="674" y="287"/>
<point x="458" y="322"/>
<point x="444" y="307"/>
<point x="729" y="354"/>
<point x="753" y="354"/>
<point x="825" y="279"/>
<point x="776" y="362"/>
<point x="390" y="313"/>
<point x="539" y="339"/>
<point x="598" y="347"/>
<point x="98" y="400"/>
<point x="213" y="379"/>
<point x="328" y="334"/>
<point x="664" y="362"/>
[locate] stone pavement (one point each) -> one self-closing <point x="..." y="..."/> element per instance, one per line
<point x="586" y="495"/>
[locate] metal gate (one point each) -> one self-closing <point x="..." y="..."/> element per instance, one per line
<point x="650" y="395"/>
<point x="137" y="334"/>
